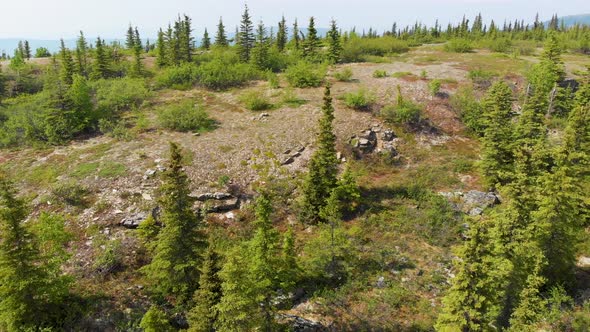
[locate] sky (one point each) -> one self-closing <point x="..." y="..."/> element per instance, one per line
<point x="54" y="19"/>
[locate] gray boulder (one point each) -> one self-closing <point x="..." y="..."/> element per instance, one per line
<point x="134" y="220"/>
<point x="301" y="324"/>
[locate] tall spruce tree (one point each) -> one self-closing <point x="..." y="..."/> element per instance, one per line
<point x="259" y="55"/>
<point x="312" y="42"/>
<point x="67" y="64"/>
<point x="221" y="36"/>
<point x="246" y="36"/>
<point x="30" y="286"/>
<point x="161" y="59"/>
<point x="296" y="38"/>
<point x="27" y="50"/>
<point x="82" y="55"/>
<point x="323" y="166"/>
<point x="174" y="269"/>
<point x="203" y="316"/>
<point x="334" y="45"/>
<point x="497" y="155"/>
<point x="475" y="299"/>
<point x="282" y="35"/>
<point x="185" y="39"/>
<point x="206" y="42"/>
<point x="137" y="39"/>
<point x="101" y="61"/>
<point x="130" y="38"/>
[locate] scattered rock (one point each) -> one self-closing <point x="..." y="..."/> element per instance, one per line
<point x="146" y="196"/>
<point x="287" y="161"/>
<point x="134" y="220"/>
<point x="472" y="202"/>
<point x="287" y="151"/>
<point x="583" y="261"/>
<point x="209" y="196"/>
<point x="381" y="282"/>
<point x="149" y="174"/>
<point x="301" y="324"/>
<point x="387" y="135"/>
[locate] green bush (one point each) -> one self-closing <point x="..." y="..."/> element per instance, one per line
<point x="458" y="46"/>
<point x="115" y="128"/>
<point x="404" y="112"/>
<point x="273" y="80"/>
<point x="434" y="86"/>
<point x="469" y="110"/>
<point x="500" y="45"/>
<point x="292" y="99"/>
<point x="255" y="101"/>
<point x="179" y="77"/>
<point x="305" y="75"/>
<point x="357" y="49"/>
<point x="379" y="73"/>
<point x="360" y="100"/>
<point x="185" y="116"/>
<point x="345" y="75"/>
<point x="110" y="258"/>
<point x="70" y="193"/>
<point x="219" y="75"/>
<point x="116" y="95"/>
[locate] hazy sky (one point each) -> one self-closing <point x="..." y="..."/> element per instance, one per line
<point x="51" y="19"/>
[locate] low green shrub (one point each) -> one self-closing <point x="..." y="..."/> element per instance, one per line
<point x="69" y="192"/>
<point x="218" y="75"/>
<point x="292" y="99"/>
<point x="255" y="101"/>
<point x="121" y="94"/>
<point x="360" y="100"/>
<point x="379" y="73"/>
<point x="178" y="77"/>
<point x="357" y="49"/>
<point x="469" y="109"/>
<point x="185" y="116"/>
<point x="345" y="75"/>
<point x="305" y="75"/>
<point x="459" y="45"/>
<point x="434" y="86"/>
<point x="404" y="112"/>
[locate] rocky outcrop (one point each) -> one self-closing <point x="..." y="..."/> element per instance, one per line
<point x="292" y="155"/>
<point x="301" y="324"/>
<point x="375" y="139"/>
<point x="472" y="202"/>
<point x="216" y="202"/>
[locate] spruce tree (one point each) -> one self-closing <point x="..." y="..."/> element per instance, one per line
<point x="155" y="320"/>
<point x="497" y="155"/>
<point x="323" y="166"/>
<point x="282" y="35"/>
<point x="101" y="61"/>
<point x="137" y="66"/>
<point x="161" y="51"/>
<point x="334" y="45"/>
<point x="137" y="40"/>
<point x="185" y="39"/>
<point x="259" y="56"/>
<point x="27" y="50"/>
<point x="531" y="303"/>
<point x="312" y="42"/>
<point x="206" y="43"/>
<point x="246" y="36"/>
<point x="220" y="36"/>
<point x="475" y="299"/>
<point x="174" y="269"/>
<point x="203" y="316"/>
<point x="296" y="37"/>
<point x="130" y="38"/>
<point x="82" y="55"/>
<point x="30" y="286"/>
<point x="67" y="64"/>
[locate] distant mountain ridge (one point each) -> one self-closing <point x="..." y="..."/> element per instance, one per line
<point x="572" y="20"/>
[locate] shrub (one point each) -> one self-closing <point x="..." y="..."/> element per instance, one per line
<point x="114" y="128"/>
<point x="69" y="192"/>
<point x="273" y="80"/>
<point x="110" y="258"/>
<point x="345" y="75"/>
<point x="469" y="110"/>
<point x="423" y="74"/>
<point x="255" y="101"/>
<point x="434" y="86"/>
<point x="292" y="99"/>
<point x="357" y="49"/>
<point x="305" y="75"/>
<point x="501" y="45"/>
<point x="458" y="46"/>
<point x="218" y="75"/>
<point x="120" y="94"/>
<point x="179" y="77"/>
<point x="404" y="112"/>
<point x="360" y="100"/>
<point x="112" y="170"/>
<point x="185" y="116"/>
<point x="480" y="77"/>
<point x="379" y="73"/>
